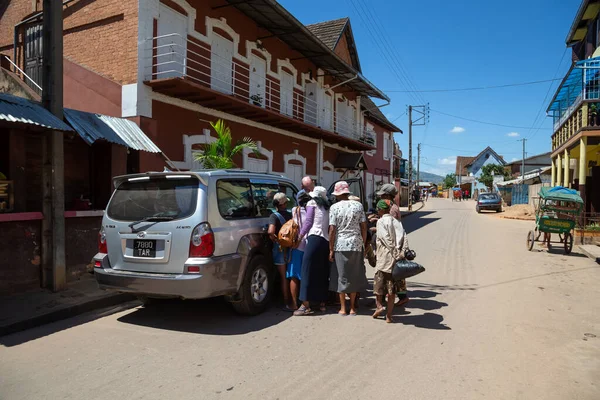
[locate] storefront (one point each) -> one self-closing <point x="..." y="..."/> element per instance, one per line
<point x="96" y="148"/>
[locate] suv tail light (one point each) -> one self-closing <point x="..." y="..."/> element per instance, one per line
<point x="202" y="242"/>
<point x="102" y="248"/>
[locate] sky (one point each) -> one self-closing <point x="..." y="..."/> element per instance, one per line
<point x="440" y="44"/>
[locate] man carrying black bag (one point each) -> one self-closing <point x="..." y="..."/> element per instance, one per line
<point x="389" y="250"/>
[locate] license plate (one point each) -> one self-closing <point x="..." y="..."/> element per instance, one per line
<point x="144" y="248"/>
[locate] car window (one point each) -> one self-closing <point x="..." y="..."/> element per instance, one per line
<point x="234" y="199"/>
<point x="263" y="193"/>
<point x="290" y="192"/>
<point x="154" y="198"/>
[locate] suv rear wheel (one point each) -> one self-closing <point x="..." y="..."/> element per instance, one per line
<point x="255" y="292"/>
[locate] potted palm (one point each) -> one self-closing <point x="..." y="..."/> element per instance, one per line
<point x="257" y="100"/>
<point x="220" y="153"/>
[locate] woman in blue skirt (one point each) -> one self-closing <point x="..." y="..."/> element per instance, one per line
<point x="294" y="267"/>
<point x="314" y="287"/>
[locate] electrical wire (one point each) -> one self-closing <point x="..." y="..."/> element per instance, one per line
<point x="474" y="88"/>
<point x="376" y="37"/>
<point x="546" y="98"/>
<point x="482" y="122"/>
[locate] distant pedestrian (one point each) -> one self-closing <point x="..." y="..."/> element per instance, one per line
<point x="347" y="236"/>
<point x="390" y="234"/>
<point x="276" y="221"/>
<point x="467" y="194"/>
<point x="315" y="264"/>
<point x="294" y="267"/>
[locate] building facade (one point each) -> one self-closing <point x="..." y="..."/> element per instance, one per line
<point x="575" y="108"/>
<point x="469" y="168"/>
<point x="174" y="66"/>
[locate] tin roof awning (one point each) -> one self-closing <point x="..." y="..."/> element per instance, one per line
<point x="17" y="110"/>
<point x="271" y="16"/>
<point x="352" y="161"/>
<point x="92" y="127"/>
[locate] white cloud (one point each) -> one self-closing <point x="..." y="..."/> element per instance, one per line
<point x="390" y="116"/>
<point x="457" y="129"/>
<point x="514" y="159"/>
<point x="447" y="161"/>
<point x="513" y="134"/>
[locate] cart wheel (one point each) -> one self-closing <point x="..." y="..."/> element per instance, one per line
<point x="561" y="237"/>
<point x="568" y="243"/>
<point x="539" y="233"/>
<point x="530" y="240"/>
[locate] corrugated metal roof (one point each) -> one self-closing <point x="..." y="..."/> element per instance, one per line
<point x="92" y="127"/>
<point x="18" y="110"/>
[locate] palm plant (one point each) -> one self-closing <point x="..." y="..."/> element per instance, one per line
<point x="219" y="154"/>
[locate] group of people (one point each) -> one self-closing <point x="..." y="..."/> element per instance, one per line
<point x="331" y="246"/>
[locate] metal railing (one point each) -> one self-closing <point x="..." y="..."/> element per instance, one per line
<point x="17" y="69"/>
<point x="174" y="56"/>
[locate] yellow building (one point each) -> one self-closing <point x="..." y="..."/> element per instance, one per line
<point x="575" y="109"/>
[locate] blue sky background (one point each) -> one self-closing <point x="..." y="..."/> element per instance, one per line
<point x="456" y="44"/>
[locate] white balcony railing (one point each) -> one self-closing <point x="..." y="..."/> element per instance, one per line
<point x="174" y="56"/>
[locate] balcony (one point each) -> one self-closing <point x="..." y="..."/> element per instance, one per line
<point x="187" y="69"/>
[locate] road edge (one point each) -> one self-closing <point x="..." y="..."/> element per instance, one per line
<point x="66" y="312"/>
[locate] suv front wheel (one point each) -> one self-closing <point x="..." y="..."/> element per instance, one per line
<point x="255" y="292"/>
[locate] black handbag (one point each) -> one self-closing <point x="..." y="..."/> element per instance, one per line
<point x="405" y="269"/>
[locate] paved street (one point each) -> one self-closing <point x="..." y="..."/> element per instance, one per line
<point x="488" y="320"/>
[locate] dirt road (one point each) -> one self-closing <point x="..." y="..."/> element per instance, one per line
<point x="487" y="320"/>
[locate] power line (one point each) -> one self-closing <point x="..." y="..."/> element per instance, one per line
<point x="397" y="118"/>
<point x="546" y="98"/>
<point x="482" y="122"/>
<point x="461" y="150"/>
<point x="474" y="88"/>
<point x="380" y="39"/>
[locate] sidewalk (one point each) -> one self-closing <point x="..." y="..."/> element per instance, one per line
<point x="30" y="309"/>
<point x="415" y="207"/>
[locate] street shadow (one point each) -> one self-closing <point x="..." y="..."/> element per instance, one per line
<point x="426" y="321"/>
<point x="209" y="317"/>
<point x="418" y="220"/>
<point x="38" y="332"/>
<point x="424" y="304"/>
<point x="422" y="294"/>
<point x="443" y="287"/>
<point x="558" y="249"/>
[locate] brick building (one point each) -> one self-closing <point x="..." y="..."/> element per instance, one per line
<point x="172" y="66"/>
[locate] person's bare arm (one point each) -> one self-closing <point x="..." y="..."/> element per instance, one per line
<point x="363" y="232"/>
<point x="272" y="234"/>
<point x="332" y="231"/>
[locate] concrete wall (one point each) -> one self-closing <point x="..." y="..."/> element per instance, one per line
<point x="20" y="256"/>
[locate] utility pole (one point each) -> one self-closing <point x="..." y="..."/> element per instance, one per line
<point x="54" y="272"/>
<point x="523" y="161"/>
<point x="423" y="116"/>
<point x="419" y="166"/>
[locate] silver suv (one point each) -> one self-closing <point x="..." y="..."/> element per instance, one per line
<point x="191" y="235"/>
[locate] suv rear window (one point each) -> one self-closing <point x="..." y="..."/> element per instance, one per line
<point x="241" y="198"/>
<point x="173" y="198"/>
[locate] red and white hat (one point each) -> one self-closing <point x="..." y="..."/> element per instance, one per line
<point x="341" y="188"/>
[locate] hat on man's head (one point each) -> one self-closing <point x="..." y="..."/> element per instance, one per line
<point x="383" y="204"/>
<point x="280" y="198"/>
<point x="341" y="188"/>
<point x="389" y="189"/>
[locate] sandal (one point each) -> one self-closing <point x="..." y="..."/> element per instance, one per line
<point x="303" y="310"/>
